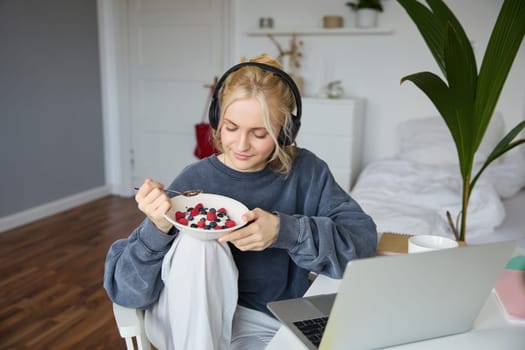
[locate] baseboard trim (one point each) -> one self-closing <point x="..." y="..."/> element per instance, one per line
<point x="27" y="216"/>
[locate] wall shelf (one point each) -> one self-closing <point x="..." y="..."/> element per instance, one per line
<point x="321" y="31"/>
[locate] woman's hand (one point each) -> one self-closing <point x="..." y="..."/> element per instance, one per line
<point x="258" y="235"/>
<point x="153" y="201"/>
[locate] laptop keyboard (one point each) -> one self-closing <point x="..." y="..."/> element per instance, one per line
<point x="313" y="329"/>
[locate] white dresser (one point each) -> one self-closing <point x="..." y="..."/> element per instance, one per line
<point x="333" y="130"/>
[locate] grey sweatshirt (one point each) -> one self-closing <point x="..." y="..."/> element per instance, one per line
<point x="321" y="229"/>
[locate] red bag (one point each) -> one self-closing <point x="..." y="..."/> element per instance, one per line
<point x="204" y="132"/>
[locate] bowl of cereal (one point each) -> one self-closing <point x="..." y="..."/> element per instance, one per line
<point x="206" y="216"/>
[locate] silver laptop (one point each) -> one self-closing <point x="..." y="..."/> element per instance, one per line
<point x="390" y="300"/>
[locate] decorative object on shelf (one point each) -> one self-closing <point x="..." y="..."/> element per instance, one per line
<point x="367" y="12"/>
<point x="334" y="89"/>
<point x="266" y="22"/>
<point x="467" y="100"/>
<point x="290" y="58"/>
<point x="332" y="22"/>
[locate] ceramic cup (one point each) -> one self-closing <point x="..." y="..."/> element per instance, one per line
<point x="425" y="243"/>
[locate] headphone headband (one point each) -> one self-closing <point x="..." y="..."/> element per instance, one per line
<point x="285" y="138"/>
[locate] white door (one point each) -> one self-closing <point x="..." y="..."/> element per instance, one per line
<point x="176" y="47"/>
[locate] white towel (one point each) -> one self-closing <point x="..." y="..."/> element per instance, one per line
<point x="196" y="306"/>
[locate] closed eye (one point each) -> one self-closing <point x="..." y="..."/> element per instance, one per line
<point x="230" y="126"/>
<point x="260" y="134"/>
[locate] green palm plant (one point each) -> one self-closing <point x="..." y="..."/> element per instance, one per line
<point x="466" y="101"/>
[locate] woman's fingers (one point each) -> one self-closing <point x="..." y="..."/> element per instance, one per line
<point x="153" y="201"/>
<point x="258" y="235"/>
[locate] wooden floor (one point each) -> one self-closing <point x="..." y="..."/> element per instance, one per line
<point x="51" y="271"/>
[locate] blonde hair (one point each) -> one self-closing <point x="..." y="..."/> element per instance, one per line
<point x="277" y="103"/>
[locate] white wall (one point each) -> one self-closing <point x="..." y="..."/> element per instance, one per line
<point x="371" y="66"/>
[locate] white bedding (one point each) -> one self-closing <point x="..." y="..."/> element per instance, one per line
<point x="412" y="192"/>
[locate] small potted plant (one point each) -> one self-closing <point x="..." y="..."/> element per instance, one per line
<point x="366" y="12"/>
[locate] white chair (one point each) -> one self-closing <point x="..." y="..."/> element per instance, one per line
<point x="130" y="323"/>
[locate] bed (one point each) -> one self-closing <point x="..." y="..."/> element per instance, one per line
<point x="412" y="191"/>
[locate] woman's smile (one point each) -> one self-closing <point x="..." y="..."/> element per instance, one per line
<point x="241" y="156"/>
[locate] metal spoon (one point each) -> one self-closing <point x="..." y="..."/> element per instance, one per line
<point x="189" y="193"/>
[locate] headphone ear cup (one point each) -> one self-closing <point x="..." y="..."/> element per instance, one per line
<point x="286" y="139"/>
<point x="296" y="125"/>
<point x="213" y="114"/>
<point x="283" y="139"/>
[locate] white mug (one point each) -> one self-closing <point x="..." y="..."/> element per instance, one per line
<point x="425" y="243"/>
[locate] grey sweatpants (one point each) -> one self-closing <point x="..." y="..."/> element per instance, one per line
<point x="252" y="329"/>
<point x="197" y="308"/>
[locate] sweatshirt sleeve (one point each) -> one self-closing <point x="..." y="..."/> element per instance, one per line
<point x="332" y="232"/>
<point x="132" y="275"/>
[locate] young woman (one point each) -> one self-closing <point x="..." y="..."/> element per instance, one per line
<point x="301" y="220"/>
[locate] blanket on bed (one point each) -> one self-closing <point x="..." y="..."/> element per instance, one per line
<point x="411" y="192"/>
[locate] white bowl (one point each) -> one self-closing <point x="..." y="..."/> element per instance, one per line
<point x="234" y="209"/>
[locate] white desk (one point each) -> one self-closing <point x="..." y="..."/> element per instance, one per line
<point x="491" y="331"/>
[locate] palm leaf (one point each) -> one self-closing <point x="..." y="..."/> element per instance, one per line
<point x="438" y="92"/>
<point x="501" y="148"/>
<point x="452" y="51"/>
<point x="430" y="27"/>
<point x="447" y="19"/>
<point x="462" y="85"/>
<point x="501" y="51"/>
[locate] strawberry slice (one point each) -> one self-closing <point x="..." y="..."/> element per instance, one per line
<point x="183" y="221"/>
<point x="229" y="223"/>
<point x="211" y="216"/>
<point x="179" y="215"/>
<point x="194" y="211"/>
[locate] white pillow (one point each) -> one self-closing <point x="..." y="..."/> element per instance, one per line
<point x="428" y="141"/>
<point x="507" y="173"/>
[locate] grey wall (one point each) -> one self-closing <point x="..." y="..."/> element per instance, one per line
<point x="51" y="137"/>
